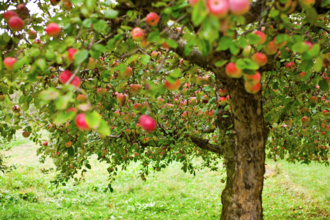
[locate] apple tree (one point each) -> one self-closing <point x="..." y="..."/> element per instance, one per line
<point x="160" y="81"/>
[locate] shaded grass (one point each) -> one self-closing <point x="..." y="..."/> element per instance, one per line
<point x="291" y="192"/>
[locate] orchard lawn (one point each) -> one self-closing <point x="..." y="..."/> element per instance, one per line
<point x="290" y="192"/>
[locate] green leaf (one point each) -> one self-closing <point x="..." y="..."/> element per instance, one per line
<point x="199" y="13"/>
<point x="253" y="38"/>
<point x="50" y="55"/>
<point x="171" y="79"/>
<point x="104" y="128"/>
<point x="154" y="37"/>
<point x="99" y="47"/>
<point x="41" y="63"/>
<point x="323" y="85"/>
<point x="144" y="59"/>
<point x="225" y="43"/>
<point x="70" y="151"/>
<point x="234" y="48"/>
<point x="246" y="64"/>
<point x="171" y="43"/>
<point x="314" y="52"/>
<point x="63" y="117"/>
<point x="80" y="56"/>
<point x="100" y="26"/>
<point x="20" y="63"/>
<point x="311" y="15"/>
<point x="220" y="63"/>
<point x="189" y="47"/>
<point x="122" y="67"/>
<point x="110" y="14"/>
<point x="176" y="73"/>
<point x="87" y="23"/>
<point x="93" y="119"/>
<point x="49" y="94"/>
<point x="61" y="102"/>
<point x="318" y="64"/>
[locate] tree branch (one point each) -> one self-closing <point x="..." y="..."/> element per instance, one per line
<point x="205" y="144"/>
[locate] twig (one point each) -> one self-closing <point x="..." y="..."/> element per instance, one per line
<point x="74" y="74"/>
<point x="175" y="22"/>
<point x="162" y="63"/>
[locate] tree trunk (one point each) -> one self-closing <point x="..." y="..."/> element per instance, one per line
<point x="244" y="154"/>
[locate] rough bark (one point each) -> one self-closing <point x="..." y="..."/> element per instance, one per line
<point x="244" y="153"/>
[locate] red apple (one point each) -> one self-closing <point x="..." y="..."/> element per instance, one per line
<point x="152" y="19"/>
<point x="259" y="58"/>
<point x="252" y="88"/>
<point x="222" y="100"/>
<point x="15" y="108"/>
<point x="45" y="143"/>
<point x="135" y="88"/>
<point x="128" y="73"/>
<point x="81" y="98"/>
<point x="304" y="120"/>
<point x="26" y="134"/>
<point x="137" y="106"/>
<point x="193" y="2"/>
<point x="222" y="92"/>
<point x="71" y="53"/>
<point x="313" y="99"/>
<point x="68" y="144"/>
<point x="76" y="81"/>
<point x="218" y="8"/>
<point x="8" y="14"/>
<point x="239" y="7"/>
<point x="81" y="122"/>
<point x="270" y="48"/>
<point x="252" y="79"/>
<point x="301" y="75"/>
<point x="148" y="123"/>
<point x="53" y="30"/>
<point x="290" y="66"/>
<point x="16" y="23"/>
<point x="32" y="34"/>
<point x="9" y="62"/>
<point x="101" y="91"/>
<point x="172" y="86"/>
<point x="65" y="76"/>
<point x="232" y="71"/>
<point x="247" y="51"/>
<point x="122" y="98"/>
<point x="138" y="34"/>
<point x="261" y="35"/>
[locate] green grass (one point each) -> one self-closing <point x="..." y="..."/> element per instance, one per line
<point x="290" y="192"/>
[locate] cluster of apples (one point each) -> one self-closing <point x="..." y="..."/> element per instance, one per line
<point x="221" y="8"/>
<point x="14" y="18"/>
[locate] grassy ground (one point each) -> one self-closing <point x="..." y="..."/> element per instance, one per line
<point x="290" y="192"/>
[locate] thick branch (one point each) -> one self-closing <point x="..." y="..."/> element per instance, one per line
<point x="205" y="144"/>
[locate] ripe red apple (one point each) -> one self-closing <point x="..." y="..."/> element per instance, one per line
<point x="65" y="76"/>
<point x="309" y="44"/>
<point x="252" y="88"/>
<point x="9" y="62"/>
<point x="138" y="34"/>
<point x="327" y="128"/>
<point x="128" y="73"/>
<point x="15" y="108"/>
<point x="81" y="98"/>
<point x="290" y="66"/>
<point x="239" y="7"/>
<point x="301" y="75"/>
<point x="172" y="86"/>
<point x="45" y="143"/>
<point x="313" y="99"/>
<point x="218" y="8"/>
<point x="222" y="100"/>
<point x="137" y="106"/>
<point x="81" y="122"/>
<point x="101" y="91"/>
<point x="32" y="34"/>
<point x="193" y="2"/>
<point x="325" y="112"/>
<point x="270" y="48"/>
<point x="261" y="35"/>
<point x="232" y="71"/>
<point x="16" y="23"/>
<point x="222" y="92"/>
<point x="247" y="51"/>
<point x="122" y="98"/>
<point x="152" y="19"/>
<point x="165" y="46"/>
<point x="259" y="58"/>
<point x="304" y="120"/>
<point x="53" y="30"/>
<point x="37" y="41"/>
<point x="252" y="79"/>
<point x="76" y="81"/>
<point x="72" y="109"/>
<point x="71" y="53"/>
<point x="26" y="134"/>
<point x="148" y="123"/>
<point x="8" y="14"/>
<point x="135" y="88"/>
<point x="67" y="5"/>
<point x="155" y="54"/>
